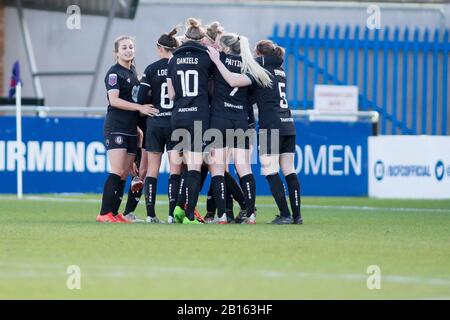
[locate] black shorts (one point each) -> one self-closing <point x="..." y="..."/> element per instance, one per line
<point x="188" y="139"/>
<point x="275" y="144"/>
<point x="158" y="138"/>
<point x="234" y="133"/>
<point x="121" y="141"/>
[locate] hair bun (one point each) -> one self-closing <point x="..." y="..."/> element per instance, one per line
<point x="193" y="23"/>
<point x="173" y="32"/>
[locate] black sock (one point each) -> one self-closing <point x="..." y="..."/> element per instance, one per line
<point x="248" y="185"/>
<point x="229" y="206"/>
<point x="218" y="188"/>
<point x="193" y="189"/>
<point x="118" y="199"/>
<point x="181" y="200"/>
<point x="204" y="174"/>
<point x="235" y="190"/>
<point x="293" y="185"/>
<point x="132" y="201"/>
<point x="278" y="193"/>
<point x="210" y="202"/>
<point x="150" y="195"/>
<point x="110" y="193"/>
<point x="174" y="187"/>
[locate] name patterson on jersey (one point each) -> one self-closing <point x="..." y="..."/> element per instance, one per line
<point x="233" y="62"/>
<point x="187" y="60"/>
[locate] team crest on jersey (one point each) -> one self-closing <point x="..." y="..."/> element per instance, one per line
<point x="112" y="79"/>
<point x="128" y="80"/>
<point x="119" y="140"/>
<point x="107" y="142"/>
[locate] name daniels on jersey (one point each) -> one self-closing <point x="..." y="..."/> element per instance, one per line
<point x="232" y="62"/>
<point x="188" y="60"/>
<point x="280" y="73"/>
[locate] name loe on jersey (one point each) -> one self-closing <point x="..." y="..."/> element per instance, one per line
<point x="162" y="72"/>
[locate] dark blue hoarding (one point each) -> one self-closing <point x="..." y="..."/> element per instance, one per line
<point x="68" y="155"/>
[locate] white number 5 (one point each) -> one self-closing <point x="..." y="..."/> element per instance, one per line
<point x="282" y="89"/>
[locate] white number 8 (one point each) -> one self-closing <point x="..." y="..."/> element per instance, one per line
<point x="165" y="96"/>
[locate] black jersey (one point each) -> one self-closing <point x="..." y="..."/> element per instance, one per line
<point x="229" y="102"/>
<point x="190" y="69"/>
<point x="126" y="81"/>
<point x="273" y="108"/>
<point x="153" y="90"/>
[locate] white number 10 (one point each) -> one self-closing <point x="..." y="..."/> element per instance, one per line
<point x="184" y="77"/>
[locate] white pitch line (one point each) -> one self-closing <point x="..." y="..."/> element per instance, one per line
<point x="42" y="270"/>
<point x="343" y="207"/>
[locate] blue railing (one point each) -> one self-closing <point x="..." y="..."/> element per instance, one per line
<point x="402" y="74"/>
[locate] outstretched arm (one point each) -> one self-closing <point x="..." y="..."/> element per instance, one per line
<point x="232" y="79"/>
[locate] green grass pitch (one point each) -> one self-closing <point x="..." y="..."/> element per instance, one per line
<point x="326" y="258"/>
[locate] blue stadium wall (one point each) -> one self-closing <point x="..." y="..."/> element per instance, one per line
<point x="67" y="155"/>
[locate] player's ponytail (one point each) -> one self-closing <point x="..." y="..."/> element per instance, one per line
<point x="249" y="65"/>
<point x="268" y="48"/>
<point x="194" y="30"/>
<point x="168" y="40"/>
<point x="213" y="30"/>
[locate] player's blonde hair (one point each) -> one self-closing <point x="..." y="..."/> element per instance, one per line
<point x="240" y="45"/>
<point x="194" y="30"/>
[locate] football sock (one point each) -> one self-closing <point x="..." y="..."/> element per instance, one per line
<point x="278" y="193"/>
<point x="118" y="198"/>
<point x="248" y="185"/>
<point x="110" y="193"/>
<point x="150" y="195"/>
<point x="132" y="201"/>
<point x="210" y="202"/>
<point x="181" y="200"/>
<point x="204" y="173"/>
<point x="293" y="185"/>
<point x="218" y="188"/>
<point x="193" y="189"/>
<point x="235" y="190"/>
<point x="174" y="187"/>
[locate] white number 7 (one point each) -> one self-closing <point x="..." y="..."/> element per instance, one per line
<point x="235" y="89"/>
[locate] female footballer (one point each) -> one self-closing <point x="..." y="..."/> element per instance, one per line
<point x="120" y="128"/>
<point x="276" y="120"/>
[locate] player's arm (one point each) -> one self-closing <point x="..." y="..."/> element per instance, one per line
<point x="170" y="89"/>
<point x="144" y="92"/>
<point x="116" y="102"/>
<point x="233" y="80"/>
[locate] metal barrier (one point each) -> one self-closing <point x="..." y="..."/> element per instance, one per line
<point x="401" y="75"/>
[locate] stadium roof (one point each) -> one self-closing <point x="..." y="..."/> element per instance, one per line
<point x="126" y="8"/>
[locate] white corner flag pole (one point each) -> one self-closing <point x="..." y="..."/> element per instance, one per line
<point x="19" y="139"/>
